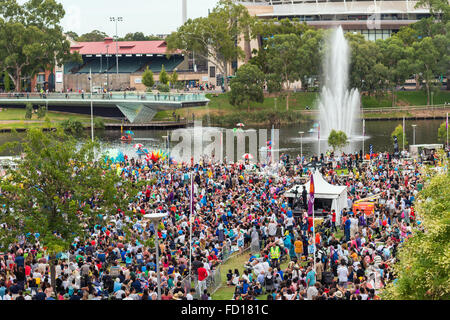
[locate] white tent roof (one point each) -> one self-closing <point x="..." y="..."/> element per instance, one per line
<point x="322" y="188"/>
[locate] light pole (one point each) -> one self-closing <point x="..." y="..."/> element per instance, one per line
<point x="155" y="218"/>
<point x="92" y="106"/>
<point x="116" y="20"/>
<point x="107" y="67"/>
<point x="414" y="133"/>
<point x="301" y="145"/>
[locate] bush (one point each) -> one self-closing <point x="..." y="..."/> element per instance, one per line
<point x="99" y="124"/>
<point x="163" y="87"/>
<point x="73" y="127"/>
<point x="28" y="111"/>
<point x="41" y="112"/>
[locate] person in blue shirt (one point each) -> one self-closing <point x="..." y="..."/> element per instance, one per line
<point x="347" y="229"/>
<point x="310" y="277"/>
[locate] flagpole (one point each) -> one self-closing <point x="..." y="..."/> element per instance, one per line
<point x="364" y="136"/>
<point x="318" y="140"/>
<point x="190" y="228"/>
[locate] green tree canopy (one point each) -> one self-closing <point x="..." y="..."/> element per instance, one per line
<point x="337" y="139"/>
<point x="147" y="78"/>
<point x="31" y="38"/>
<point x="398" y="132"/>
<point x="284" y="62"/>
<point x="214" y="38"/>
<point x="51" y="190"/>
<point x="138" y="36"/>
<point x="93" y="36"/>
<point x="163" y="76"/>
<point x="247" y="86"/>
<point x="442" y="133"/>
<point x="422" y="268"/>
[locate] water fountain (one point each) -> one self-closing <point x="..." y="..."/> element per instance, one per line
<point x="338" y="106"/>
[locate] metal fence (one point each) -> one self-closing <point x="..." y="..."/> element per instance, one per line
<point x="214" y="279"/>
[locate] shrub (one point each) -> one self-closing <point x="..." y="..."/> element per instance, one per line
<point x="163" y="87"/>
<point x="28" y="111"/>
<point x="73" y="127"/>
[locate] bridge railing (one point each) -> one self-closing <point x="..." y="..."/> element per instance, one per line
<point x="146" y="96"/>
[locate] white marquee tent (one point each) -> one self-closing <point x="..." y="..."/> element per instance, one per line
<point x="324" y="190"/>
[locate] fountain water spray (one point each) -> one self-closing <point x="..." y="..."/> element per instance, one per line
<point x="338" y="106"/>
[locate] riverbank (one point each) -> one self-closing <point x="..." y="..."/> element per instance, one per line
<point x="303" y="108"/>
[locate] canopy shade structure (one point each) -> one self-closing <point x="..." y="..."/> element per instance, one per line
<point x="324" y="190"/>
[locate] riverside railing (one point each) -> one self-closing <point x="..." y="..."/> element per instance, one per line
<point x="146" y="96"/>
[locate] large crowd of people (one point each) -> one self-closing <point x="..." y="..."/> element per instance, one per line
<point x="238" y="207"/>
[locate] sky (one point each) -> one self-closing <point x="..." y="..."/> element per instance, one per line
<point x="147" y="16"/>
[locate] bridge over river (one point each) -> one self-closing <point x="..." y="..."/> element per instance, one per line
<point x="136" y="107"/>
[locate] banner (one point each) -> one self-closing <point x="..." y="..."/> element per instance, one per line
<point x="311" y="196"/>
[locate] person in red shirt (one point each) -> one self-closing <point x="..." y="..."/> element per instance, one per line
<point x="333" y="221"/>
<point x="202" y="275"/>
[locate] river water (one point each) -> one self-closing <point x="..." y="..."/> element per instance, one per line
<point x="378" y="133"/>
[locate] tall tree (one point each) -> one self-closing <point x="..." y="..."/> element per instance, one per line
<point x="58" y="192"/>
<point x="247" y="86"/>
<point x="163" y="76"/>
<point x="138" y="36"/>
<point x="214" y="38"/>
<point x="395" y="57"/>
<point x="31" y="38"/>
<point x="93" y="36"/>
<point x="284" y="62"/>
<point x="147" y="78"/>
<point x="422" y="268"/>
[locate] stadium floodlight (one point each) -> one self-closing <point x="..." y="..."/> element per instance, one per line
<point x="116" y="20"/>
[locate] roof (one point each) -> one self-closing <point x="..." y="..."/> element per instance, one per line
<point x="322" y="188"/>
<point x="124" y="47"/>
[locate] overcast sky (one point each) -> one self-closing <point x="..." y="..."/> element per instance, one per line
<point x="147" y="16"/>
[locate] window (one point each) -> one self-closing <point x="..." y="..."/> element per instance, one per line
<point x="212" y="72"/>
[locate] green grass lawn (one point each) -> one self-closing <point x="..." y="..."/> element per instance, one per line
<point x="14" y="118"/>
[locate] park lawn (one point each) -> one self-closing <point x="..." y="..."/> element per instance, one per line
<point x="237" y="261"/>
<point x="14" y="118"/>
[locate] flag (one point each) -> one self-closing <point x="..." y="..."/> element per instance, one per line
<point x="371" y="150"/>
<point x="311" y="196"/>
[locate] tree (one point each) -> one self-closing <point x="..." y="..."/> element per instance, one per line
<point x="6" y="82"/>
<point x="139" y="36"/>
<point x="247" y="86"/>
<point x="147" y="78"/>
<point x="367" y="73"/>
<point x="28" y="111"/>
<point x="442" y="133"/>
<point x="73" y="35"/>
<point x="395" y="57"/>
<point x="163" y="76"/>
<point x="41" y="112"/>
<point x="174" y="78"/>
<point x="93" y="36"/>
<point x="57" y="193"/>
<point x="213" y="38"/>
<point x="422" y="267"/>
<point x="427" y="60"/>
<point x="398" y="132"/>
<point x="337" y="139"/>
<point x="284" y="62"/>
<point x="31" y="38"/>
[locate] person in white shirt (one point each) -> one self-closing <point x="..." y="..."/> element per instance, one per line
<point x="342" y="272"/>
